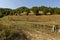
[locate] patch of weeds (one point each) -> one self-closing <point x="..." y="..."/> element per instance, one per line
<point x="12" y="34"/>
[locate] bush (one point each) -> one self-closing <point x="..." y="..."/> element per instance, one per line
<point x="45" y="10"/>
<point x="35" y="10"/>
<point x="1" y="14"/>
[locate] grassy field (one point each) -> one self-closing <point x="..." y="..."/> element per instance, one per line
<point x="30" y="26"/>
<point x="44" y="19"/>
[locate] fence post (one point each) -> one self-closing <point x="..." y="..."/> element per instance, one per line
<point x="54" y="28"/>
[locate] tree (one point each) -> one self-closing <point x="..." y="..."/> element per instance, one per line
<point x="45" y="11"/>
<point x="35" y="10"/>
<point x="42" y="8"/>
<point x="12" y="12"/>
<point x="1" y="14"/>
<point x="27" y="11"/>
<point x="51" y="10"/>
<point x="56" y="10"/>
<point x="5" y="11"/>
<point x="22" y="10"/>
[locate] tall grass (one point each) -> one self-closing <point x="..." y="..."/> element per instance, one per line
<point x="14" y="28"/>
<point x="10" y="33"/>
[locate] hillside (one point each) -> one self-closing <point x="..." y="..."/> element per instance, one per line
<point x="49" y="19"/>
<point x="31" y="26"/>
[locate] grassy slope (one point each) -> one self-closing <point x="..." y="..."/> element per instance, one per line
<point x="49" y="19"/>
<point x="26" y="23"/>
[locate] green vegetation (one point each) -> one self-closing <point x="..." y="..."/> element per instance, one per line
<point x="35" y="10"/>
<point x="1" y="14"/>
<point x="22" y="10"/>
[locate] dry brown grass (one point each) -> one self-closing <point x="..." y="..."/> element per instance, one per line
<point x="28" y="23"/>
<point x="44" y="19"/>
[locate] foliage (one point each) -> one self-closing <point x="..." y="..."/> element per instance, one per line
<point x="22" y="10"/>
<point x="42" y="8"/>
<point x="45" y="10"/>
<point x="35" y="10"/>
<point x="1" y="15"/>
<point x="51" y="10"/>
<point x="56" y="10"/>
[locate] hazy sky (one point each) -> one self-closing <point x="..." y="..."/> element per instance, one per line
<point x="28" y="3"/>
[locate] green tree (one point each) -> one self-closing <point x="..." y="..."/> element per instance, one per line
<point x="1" y="15"/>
<point x="35" y="10"/>
<point x="56" y="10"/>
<point x="51" y="10"/>
<point x="45" y="11"/>
<point x="22" y="10"/>
<point x="42" y="8"/>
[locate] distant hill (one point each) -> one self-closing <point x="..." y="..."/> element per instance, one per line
<point x="42" y="10"/>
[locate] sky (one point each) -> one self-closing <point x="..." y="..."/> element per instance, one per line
<point x="13" y="4"/>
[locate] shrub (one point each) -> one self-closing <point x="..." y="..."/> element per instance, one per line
<point x="35" y="10"/>
<point x="1" y="14"/>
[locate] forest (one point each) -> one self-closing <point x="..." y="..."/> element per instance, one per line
<point x="35" y="10"/>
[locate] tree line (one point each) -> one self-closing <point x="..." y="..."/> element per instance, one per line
<point x="35" y="10"/>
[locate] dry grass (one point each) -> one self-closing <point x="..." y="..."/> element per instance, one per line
<point x="31" y="23"/>
<point x="44" y="19"/>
